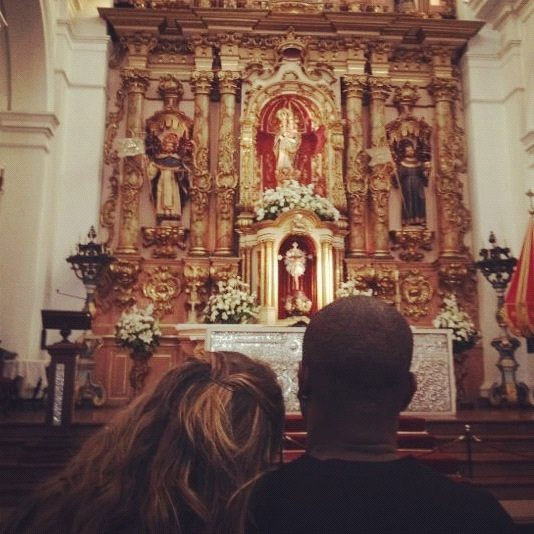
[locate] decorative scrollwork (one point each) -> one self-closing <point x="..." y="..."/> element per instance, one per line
<point x="410" y="240"/>
<point x="124" y="275"/>
<point x="416" y="293"/>
<point x="196" y="279"/>
<point x="162" y="287"/>
<point x="165" y="239"/>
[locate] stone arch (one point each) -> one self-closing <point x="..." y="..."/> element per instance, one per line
<point x="29" y="64"/>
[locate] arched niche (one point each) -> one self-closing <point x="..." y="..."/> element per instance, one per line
<point x="327" y="116"/>
<point x="29" y="79"/>
<point x="261" y="245"/>
<point x="307" y="282"/>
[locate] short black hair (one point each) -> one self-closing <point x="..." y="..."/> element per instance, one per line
<point x="360" y="345"/>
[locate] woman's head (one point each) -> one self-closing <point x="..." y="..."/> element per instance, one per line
<point x="219" y="420"/>
<point x="182" y="458"/>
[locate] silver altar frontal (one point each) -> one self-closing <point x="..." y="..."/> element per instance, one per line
<point x="281" y="348"/>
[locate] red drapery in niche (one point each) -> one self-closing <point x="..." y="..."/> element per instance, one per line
<point x="308" y="280"/>
<point x="312" y="140"/>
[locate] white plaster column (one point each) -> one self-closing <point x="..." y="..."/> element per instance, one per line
<point x="499" y="97"/>
<point x="51" y="138"/>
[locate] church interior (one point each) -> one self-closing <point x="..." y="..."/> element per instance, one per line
<point x="223" y="169"/>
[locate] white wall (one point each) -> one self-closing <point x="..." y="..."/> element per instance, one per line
<point x="498" y="71"/>
<point x="51" y="136"/>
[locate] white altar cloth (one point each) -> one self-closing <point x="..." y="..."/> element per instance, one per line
<point x="281" y="348"/>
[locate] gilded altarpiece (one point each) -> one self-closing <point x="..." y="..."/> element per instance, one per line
<point x="208" y="108"/>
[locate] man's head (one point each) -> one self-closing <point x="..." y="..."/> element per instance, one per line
<point x="357" y="351"/>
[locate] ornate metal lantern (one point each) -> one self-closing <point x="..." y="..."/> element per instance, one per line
<point x="88" y="264"/>
<point x="497" y="266"/>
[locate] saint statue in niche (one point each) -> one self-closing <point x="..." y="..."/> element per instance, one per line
<point x="286" y="144"/>
<point x="169" y="171"/>
<point x="412" y="176"/>
<point x="290" y="142"/>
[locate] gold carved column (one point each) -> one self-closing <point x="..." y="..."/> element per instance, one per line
<point x="382" y="168"/>
<point x="326" y="286"/>
<point x="201" y="84"/>
<point x="268" y="281"/>
<point x="452" y="214"/>
<point x="226" y="178"/>
<point x="135" y="83"/>
<point x="356" y="173"/>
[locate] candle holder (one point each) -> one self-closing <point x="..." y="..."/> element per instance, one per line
<point x="88" y="264"/>
<point x="497" y="266"/>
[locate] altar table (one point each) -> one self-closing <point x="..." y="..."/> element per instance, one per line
<point x="281" y="348"/>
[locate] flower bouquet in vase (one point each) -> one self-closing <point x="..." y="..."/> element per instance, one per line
<point x="464" y="336"/>
<point x="292" y="195"/>
<point x="138" y="330"/>
<point x="231" y="304"/>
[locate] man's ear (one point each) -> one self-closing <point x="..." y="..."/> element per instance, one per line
<point x="410" y="392"/>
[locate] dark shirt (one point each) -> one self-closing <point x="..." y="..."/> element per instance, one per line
<point x="310" y="496"/>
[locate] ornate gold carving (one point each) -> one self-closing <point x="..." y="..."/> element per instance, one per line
<point x="221" y="272"/>
<point x="201" y="81"/>
<point x="201" y="84"/>
<point x="162" y="287"/>
<point x="124" y="275"/>
<point x="416" y="293"/>
<point x="356" y="179"/>
<point x="386" y="281"/>
<point x="379" y="186"/>
<point x="454" y="218"/>
<point x="291" y="41"/>
<point x="228" y="81"/>
<point x="405" y="97"/>
<point x="139" y="43"/>
<point x="135" y="80"/>
<point x="111" y="157"/>
<point x="295" y="6"/>
<point x="132" y="182"/>
<point x="165" y="239"/>
<point x="443" y="89"/>
<point x="410" y="240"/>
<point x="410" y="59"/>
<point x="300" y="225"/>
<point x="196" y="279"/>
<point x="458" y="278"/>
<point x="176" y="47"/>
<point x="226" y="179"/>
<point x="139" y="371"/>
<point x="199" y="220"/>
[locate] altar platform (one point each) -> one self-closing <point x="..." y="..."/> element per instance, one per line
<point x="502" y="463"/>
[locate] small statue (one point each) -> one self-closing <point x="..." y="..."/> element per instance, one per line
<point x="286" y="142"/>
<point x="169" y="175"/>
<point x="412" y="176"/>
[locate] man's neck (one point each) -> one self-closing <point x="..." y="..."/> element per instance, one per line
<point x="356" y="439"/>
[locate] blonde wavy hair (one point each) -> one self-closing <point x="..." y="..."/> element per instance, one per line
<point x="181" y="459"/>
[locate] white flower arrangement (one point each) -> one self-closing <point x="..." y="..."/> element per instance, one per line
<point x="138" y="330"/>
<point x="294" y="195"/>
<point x="233" y="303"/>
<point x="349" y="289"/>
<point x="451" y="316"/>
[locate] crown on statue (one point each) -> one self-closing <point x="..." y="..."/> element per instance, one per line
<point x="170" y="87"/>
